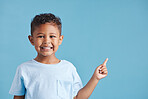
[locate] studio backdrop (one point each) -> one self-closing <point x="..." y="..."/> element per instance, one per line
<point x="93" y="30"/>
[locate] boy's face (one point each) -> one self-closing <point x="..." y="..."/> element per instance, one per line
<point x="46" y="39"/>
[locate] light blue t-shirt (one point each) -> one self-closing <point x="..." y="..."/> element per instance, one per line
<point x="46" y="81"/>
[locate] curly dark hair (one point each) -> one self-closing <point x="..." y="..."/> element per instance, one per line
<point x="45" y="18"/>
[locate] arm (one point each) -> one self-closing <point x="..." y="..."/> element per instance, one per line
<point x="19" y="97"/>
<point x="86" y="91"/>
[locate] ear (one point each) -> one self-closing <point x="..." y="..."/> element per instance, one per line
<point x="61" y="39"/>
<point x="31" y="39"/>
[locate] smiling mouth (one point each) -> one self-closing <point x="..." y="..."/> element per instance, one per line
<point x="47" y="48"/>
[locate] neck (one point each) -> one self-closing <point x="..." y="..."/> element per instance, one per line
<point x="47" y="59"/>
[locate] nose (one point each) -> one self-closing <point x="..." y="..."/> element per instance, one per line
<point x="47" y="40"/>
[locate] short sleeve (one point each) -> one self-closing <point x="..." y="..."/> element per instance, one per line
<point x="77" y="83"/>
<point x="17" y="87"/>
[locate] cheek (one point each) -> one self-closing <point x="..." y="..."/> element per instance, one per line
<point x="55" y="42"/>
<point x="59" y="41"/>
<point x="38" y="42"/>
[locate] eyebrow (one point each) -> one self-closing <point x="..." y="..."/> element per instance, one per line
<point x="43" y="33"/>
<point x="39" y="33"/>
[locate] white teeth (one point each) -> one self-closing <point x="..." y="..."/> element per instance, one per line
<point x="46" y="47"/>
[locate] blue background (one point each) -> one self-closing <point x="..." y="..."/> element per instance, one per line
<point x="93" y="30"/>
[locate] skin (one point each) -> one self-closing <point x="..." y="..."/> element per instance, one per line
<point x="49" y="35"/>
<point x="99" y="73"/>
<point x="45" y="35"/>
<point x="19" y="97"/>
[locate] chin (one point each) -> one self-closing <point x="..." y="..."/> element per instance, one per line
<point x="49" y="54"/>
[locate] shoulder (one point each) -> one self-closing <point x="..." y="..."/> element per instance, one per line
<point x="69" y="64"/>
<point x="24" y="65"/>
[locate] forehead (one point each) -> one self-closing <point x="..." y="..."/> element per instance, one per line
<point x="47" y="28"/>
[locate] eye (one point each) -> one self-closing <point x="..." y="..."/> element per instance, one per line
<point x="40" y="36"/>
<point x="52" y="36"/>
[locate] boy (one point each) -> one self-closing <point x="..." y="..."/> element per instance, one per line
<point x="47" y="77"/>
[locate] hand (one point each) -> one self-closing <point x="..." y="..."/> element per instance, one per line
<point x="101" y="71"/>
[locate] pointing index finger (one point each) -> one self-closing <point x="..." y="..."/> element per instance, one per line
<point x="104" y="63"/>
